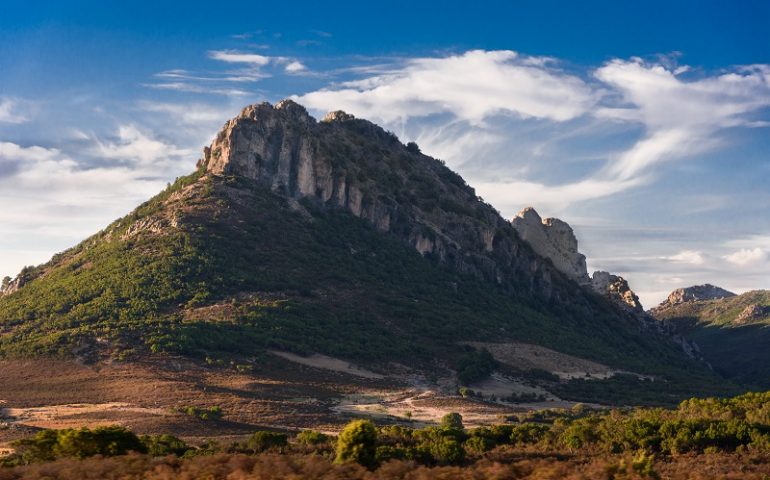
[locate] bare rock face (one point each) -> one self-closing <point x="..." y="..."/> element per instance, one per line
<point x="554" y="239"/>
<point x="617" y="289"/>
<point x="695" y="293"/>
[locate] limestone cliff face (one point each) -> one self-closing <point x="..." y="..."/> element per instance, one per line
<point x="554" y="239"/>
<point x="352" y="164"/>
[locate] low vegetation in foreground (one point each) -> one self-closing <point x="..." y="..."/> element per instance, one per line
<point x="701" y="438"/>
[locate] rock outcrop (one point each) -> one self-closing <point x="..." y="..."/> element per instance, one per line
<point x="616" y="288"/>
<point x="554" y="239"/>
<point x="752" y="313"/>
<point x="695" y="293"/>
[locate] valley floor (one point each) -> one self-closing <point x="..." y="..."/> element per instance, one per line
<point x="287" y="393"/>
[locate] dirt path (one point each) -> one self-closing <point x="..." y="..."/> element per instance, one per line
<point x="328" y="363"/>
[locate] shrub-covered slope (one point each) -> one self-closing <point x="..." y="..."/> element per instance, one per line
<point x="732" y="333"/>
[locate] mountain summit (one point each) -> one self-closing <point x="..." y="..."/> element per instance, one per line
<point x="327" y="237"/>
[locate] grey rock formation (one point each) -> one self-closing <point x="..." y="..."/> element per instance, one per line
<point x="554" y="239"/>
<point x="695" y="293"/>
<point x="616" y="288"/>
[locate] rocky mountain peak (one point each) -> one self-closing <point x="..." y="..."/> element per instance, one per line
<point x="696" y="293"/>
<point x="352" y="164"/>
<point x="554" y="239"/>
<point x="617" y="289"/>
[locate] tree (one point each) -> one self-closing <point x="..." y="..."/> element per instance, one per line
<point x="358" y="443"/>
<point x="162" y="445"/>
<point x="452" y="420"/>
<point x="6" y="282"/>
<point x="412" y="147"/>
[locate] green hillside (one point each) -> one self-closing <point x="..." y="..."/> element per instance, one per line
<point x="732" y="333"/>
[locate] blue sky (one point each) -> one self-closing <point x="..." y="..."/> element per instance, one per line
<point x="642" y="124"/>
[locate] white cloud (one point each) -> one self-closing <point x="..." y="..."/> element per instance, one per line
<point x="11" y="111"/>
<point x="134" y="146"/>
<point x="747" y="257"/>
<point x="680" y="117"/>
<point x="232" y="56"/>
<point x="295" y="67"/>
<point x="472" y="86"/>
<point x="690" y="257"/>
<point x="188" y="113"/>
<point x="52" y="201"/>
<point x="194" y="88"/>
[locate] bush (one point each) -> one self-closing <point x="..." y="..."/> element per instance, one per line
<point x="452" y="420"/>
<point x="211" y="413"/>
<point x="480" y="444"/>
<point x="48" y="445"/>
<point x="358" y="443"/>
<point x="528" y="433"/>
<point x="446" y="450"/>
<point x="263" y="440"/>
<point x="162" y="445"/>
<point x="311" y="437"/>
<point x="475" y="365"/>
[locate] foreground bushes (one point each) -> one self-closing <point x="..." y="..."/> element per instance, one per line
<point x="707" y="426"/>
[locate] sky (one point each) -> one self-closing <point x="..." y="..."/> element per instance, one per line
<point x="644" y="125"/>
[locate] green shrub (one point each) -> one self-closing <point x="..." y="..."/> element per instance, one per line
<point x="311" y="437"/>
<point x="264" y="440"/>
<point x="162" y="445"/>
<point x="479" y="444"/>
<point x="48" y="445"/>
<point x="474" y="366"/>
<point x="358" y="443"/>
<point x="446" y="450"/>
<point x="528" y="433"/>
<point x="452" y="420"/>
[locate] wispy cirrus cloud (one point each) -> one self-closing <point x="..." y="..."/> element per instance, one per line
<point x="188" y="87"/>
<point x="134" y="146"/>
<point x="681" y="117"/>
<point x="13" y="111"/>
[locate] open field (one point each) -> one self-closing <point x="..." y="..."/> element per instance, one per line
<point x="285" y="392"/>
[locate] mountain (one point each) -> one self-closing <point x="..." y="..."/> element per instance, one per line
<point x="326" y="237"/>
<point x="730" y="330"/>
<point x="694" y="294"/>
